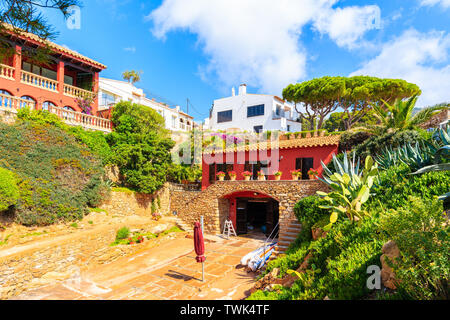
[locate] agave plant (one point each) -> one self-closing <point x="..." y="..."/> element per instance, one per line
<point x="350" y="188"/>
<point x="347" y="165"/>
<point x="441" y="156"/>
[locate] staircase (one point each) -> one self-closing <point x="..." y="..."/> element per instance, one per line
<point x="288" y="235"/>
<point x="184" y="226"/>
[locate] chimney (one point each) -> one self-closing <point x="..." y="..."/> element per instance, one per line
<point x="242" y="89"/>
<point x="233" y="92"/>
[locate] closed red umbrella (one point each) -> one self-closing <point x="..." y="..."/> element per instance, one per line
<point x="199" y="246"/>
<point x="199" y="243"/>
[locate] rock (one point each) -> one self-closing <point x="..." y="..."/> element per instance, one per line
<point x="391" y="252"/>
<point x="318" y="233"/>
<point x="159" y="228"/>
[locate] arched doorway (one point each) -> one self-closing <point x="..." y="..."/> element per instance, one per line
<point x="253" y="213"/>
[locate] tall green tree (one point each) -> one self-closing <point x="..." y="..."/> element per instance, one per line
<point x="353" y="95"/>
<point x="132" y="76"/>
<point x="17" y="16"/>
<point x="362" y="92"/>
<point x="141" y="146"/>
<point x="318" y="97"/>
<point x="399" y="115"/>
<point x="335" y="121"/>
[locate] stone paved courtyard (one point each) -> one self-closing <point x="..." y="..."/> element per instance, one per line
<point x="168" y="271"/>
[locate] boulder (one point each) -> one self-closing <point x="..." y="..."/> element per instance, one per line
<point x="391" y="253"/>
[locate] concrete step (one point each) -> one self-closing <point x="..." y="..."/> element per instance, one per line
<point x="288" y="237"/>
<point x="282" y="248"/>
<point x="291" y="233"/>
<point x="284" y="243"/>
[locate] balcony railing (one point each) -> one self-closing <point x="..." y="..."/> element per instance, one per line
<point x="39" y="81"/>
<point x="6" y="72"/>
<point x="74" y="92"/>
<point x="85" y="120"/>
<point x="284" y="114"/>
<point x="11" y="103"/>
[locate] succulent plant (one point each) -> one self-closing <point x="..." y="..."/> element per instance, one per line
<point x="350" y="188"/>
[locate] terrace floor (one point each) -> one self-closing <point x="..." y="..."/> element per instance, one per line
<point x="166" y="272"/>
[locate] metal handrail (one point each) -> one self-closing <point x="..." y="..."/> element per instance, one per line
<point x="271" y="240"/>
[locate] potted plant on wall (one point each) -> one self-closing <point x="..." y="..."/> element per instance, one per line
<point x="278" y="175"/>
<point x="221" y="175"/>
<point x="313" y="174"/>
<point x="232" y="175"/>
<point x="261" y="175"/>
<point x="247" y="175"/>
<point x="296" y="174"/>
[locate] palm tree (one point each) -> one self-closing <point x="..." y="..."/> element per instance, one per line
<point x="132" y="76"/>
<point x="399" y="116"/>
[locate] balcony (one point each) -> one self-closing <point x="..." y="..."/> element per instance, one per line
<point x="288" y="115"/>
<point x="8" y="72"/>
<point x="38" y="81"/>
<point x="13" y="104"/>
<point x="75" y="92"/>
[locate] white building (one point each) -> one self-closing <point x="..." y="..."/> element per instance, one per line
<point x="252" y="113"/>
<point x="113" y="91"/>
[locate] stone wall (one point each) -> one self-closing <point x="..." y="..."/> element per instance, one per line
<point x="8" y="117"/>
<point x="31" y="266"/>
<point x="134" y="203"/>
<point x="171" y="197"/>
<point x="211" y="204"/>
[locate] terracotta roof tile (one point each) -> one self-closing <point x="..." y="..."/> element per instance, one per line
<point x="53" y="45"/>
<point x="285" y="144"/>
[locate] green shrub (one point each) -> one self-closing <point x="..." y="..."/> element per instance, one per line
<point x="41" y="117"/>
<point x="9" y="192"/>
<point x="420" y="232"/>
<point x="179" y="173"/>
<point x="140" y="146"/>
<point x="308" y="212"/>
<point x="122" y="233"/>
<point x="376" y="144"/>
<point x="95" y="141"/>
<point x="396" y="184"/>
<point x="350" y="140"/>
<point x="58" y="177"/>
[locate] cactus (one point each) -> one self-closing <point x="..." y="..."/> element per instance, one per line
<point x="350" y="189"/>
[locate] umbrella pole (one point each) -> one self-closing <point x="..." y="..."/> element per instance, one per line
<point x="203" y="264"/>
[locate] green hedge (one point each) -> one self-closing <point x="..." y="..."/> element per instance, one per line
<point x="58" y="177"/>
<point x="9" y="192"/>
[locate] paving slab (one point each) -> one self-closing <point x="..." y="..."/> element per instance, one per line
<point x="168" y="271"/>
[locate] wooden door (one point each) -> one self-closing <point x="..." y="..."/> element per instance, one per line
<point x="241" y="216"/>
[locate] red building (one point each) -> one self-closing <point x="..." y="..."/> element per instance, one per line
<point x="53" y="85"/>
<point x="249" y="209"/>
<point x="295" y="154"/>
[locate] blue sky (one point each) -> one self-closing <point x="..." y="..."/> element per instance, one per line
<point x="198" y="49"/>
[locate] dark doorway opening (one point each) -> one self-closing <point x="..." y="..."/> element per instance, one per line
<point x="256" y="216"/>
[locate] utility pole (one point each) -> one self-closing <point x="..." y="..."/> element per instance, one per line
<point x="187" y="105"/>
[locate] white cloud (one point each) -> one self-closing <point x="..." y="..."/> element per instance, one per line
<point x="130" y="49"/>
<point x="443" y="3"/>
<point x="348" y="25"/>
<point x="257" y="41"/>
<point x="420" y="58"/>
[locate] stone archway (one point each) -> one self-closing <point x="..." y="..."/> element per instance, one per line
<point x="211" y="202"/>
